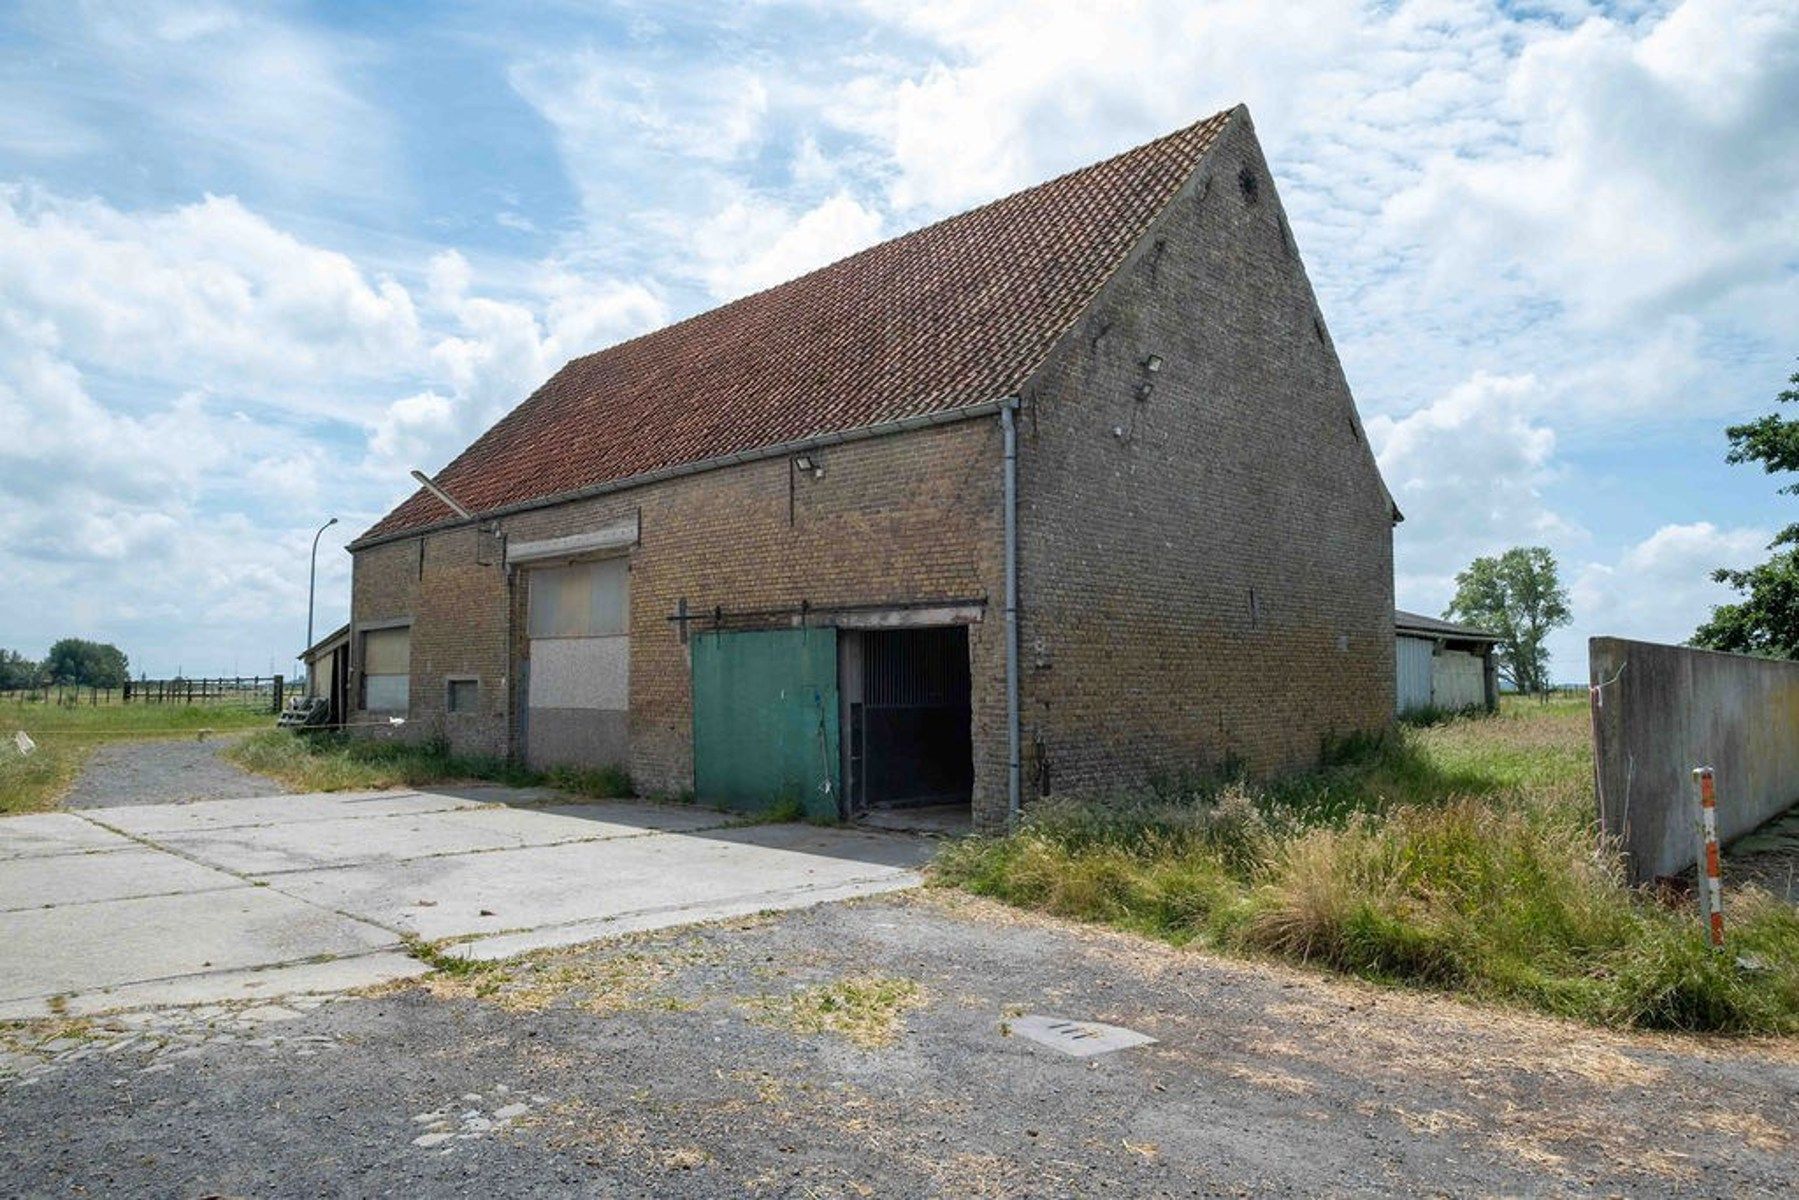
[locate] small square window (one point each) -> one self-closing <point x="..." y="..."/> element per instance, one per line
<point x="464" y="695"/>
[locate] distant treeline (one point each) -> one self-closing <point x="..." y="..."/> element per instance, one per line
<point x="71" y="661"/>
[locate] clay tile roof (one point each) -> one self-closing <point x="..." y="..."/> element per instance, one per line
<point x="955" y="314"/>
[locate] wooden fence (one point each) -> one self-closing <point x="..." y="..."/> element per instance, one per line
<point x="255" y="692"/>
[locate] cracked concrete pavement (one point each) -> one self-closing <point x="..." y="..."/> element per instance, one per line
<point x="235" y="899"/>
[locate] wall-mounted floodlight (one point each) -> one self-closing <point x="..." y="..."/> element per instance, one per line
<point x="425" y="482"/>
<point x="1153" y="363"/>
<point x="803" y="462"/>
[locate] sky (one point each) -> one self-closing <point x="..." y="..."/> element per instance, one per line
<point x="258" y="261"/>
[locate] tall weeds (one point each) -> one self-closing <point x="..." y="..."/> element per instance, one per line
<point x="1458" y="857"/>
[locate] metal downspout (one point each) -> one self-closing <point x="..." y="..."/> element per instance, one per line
<point x="1008" y="423"/>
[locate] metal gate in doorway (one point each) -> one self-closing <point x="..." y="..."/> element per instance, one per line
<point x="909" y="712"/>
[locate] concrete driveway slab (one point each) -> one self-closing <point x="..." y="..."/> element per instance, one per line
<point x="38" y="834"/>
<point x="139" y="871"/>
<point x="311" y="844"/>
<point x="87" y="947"/>
<point x="314" y="977"/>
<point x="690" y="877"/>
<point x="152" y="819"/>
<point x="222" y="899"/>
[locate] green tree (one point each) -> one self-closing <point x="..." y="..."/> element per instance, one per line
<point x="1766" y="620"/>
<point x="1518" y="596"/>
<point x="16" y="671"/>
<point x="88" y="664"/>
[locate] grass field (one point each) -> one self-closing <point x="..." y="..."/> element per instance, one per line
<point x="1460" y="857"/>
<point x="66" y="735"/>
<point x="336" y="763"/>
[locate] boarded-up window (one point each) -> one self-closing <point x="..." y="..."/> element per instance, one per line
<point x="386" y="669"/>
<point x="464" y="695"/>
<point x="585" y="600"/>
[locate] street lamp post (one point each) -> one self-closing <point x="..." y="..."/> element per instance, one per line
<point x="312" y="572"/>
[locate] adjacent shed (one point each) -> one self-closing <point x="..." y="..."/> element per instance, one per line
<point x="1443" y="666"/>
<point x="328" y="673"/>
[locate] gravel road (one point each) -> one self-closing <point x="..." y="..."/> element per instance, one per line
<point x="687" y="1064"/>
<point x="164" y="772"/>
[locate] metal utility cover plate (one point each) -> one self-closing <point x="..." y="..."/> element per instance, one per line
<point x="1082" y="1039"/>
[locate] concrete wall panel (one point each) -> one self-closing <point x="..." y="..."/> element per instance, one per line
<point x="588" y="673"/>
<point x="1664" y="710"/>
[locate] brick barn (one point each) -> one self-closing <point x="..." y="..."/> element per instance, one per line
<point x="1046" y="498"/>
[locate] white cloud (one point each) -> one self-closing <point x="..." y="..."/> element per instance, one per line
<point x="1024" y="89"/>
<point x="499" y="352"/>
<point x="185" y="390"/>
<point x="1468" y="470"/>
<point x="700" y="133"/>
<point x="749" y="246"/>
<point x="201" y="293"/>
<point x="616" y="123"/>
<point x="1660" y="589"/>
<point x="61" y="446"/>
<point x="1656" y="166"/>
<point x="108" y="520"/>
<point x="413" y="430"/>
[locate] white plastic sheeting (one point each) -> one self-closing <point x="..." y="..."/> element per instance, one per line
<point x="386" y="669"/>
<point x="589" y="599"/>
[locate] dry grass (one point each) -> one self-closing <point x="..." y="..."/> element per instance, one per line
<point x="1272" y="1080"/>
<point x="24" y="1037"/>
<point x="1752" y="1129"/>
<point x="601" y="980"/>
<point x="866" y="1009"/>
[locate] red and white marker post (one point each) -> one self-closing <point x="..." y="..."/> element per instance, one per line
<point x="1711" y="874"/>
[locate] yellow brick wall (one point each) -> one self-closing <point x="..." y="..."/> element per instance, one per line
<point x="1147" y="522"/>
<point x="909" y="517"/>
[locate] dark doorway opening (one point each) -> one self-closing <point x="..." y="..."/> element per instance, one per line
<point x="906" y="692"/>
<point x="340" y="687"/>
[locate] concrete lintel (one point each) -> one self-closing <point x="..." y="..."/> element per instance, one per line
<point x="906" y="618"/>
<point x="609" y="539"/>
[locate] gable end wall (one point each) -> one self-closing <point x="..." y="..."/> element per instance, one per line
<point x="1207" y="573"/>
